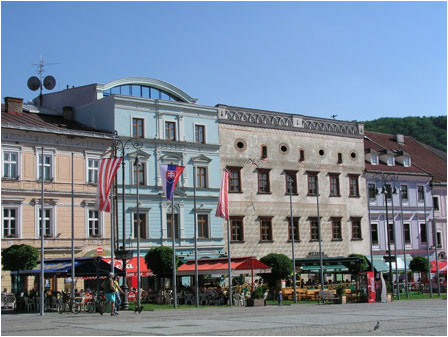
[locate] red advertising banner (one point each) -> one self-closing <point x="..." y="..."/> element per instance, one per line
<point x="371" y="286"/>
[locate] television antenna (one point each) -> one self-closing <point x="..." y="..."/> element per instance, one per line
<point x="34" y="82"/>
<point x="334" y="116"/>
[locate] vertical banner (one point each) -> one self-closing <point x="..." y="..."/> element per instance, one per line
<point x="170" y="175"/>
<point x="106" y="175"/>
<point x="371" y="286"/>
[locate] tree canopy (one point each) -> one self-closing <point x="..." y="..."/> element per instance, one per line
<point x="419" y="264"/>
<point x="281" y="267"/>
<point x="360" y="266"/>
<point x="160" y="260"/>
<point x="428" y="130"/>
<point x="20" y="257"/>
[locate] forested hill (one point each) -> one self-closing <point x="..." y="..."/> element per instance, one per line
<point x="428" y="130"/>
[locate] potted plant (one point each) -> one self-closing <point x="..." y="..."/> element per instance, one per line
<point x="257" y="297"/>
<point x="340" y="291"/>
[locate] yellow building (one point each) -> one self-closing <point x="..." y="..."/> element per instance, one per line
<point x="24" y="133"/>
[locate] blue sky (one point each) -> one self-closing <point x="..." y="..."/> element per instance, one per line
<point x="358" y="60"/>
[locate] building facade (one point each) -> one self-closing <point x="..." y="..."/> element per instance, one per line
<point x="170" y="128"/>
<point x="273" y="157"/>
<point x="24" y="132"/>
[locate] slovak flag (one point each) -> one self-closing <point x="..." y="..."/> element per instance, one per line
<point x="170" y="175"/>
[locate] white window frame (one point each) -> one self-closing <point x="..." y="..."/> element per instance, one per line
<point x="406" y="161"/>
<point x="408" y="244"/>
<point x="144" y="126"/>
<point x="374" y="159"/>
<point x="18" y="207"/>
<point x="390" y="160"/>
<point x="100" y="223"/>
<point x="133" y="215"/>
<point x="405" y="201"/>
<point x="18" y="151"/>
<point x="176" y="132"/>
<point x="52" y="154"/>
<point x="375" y="245"/>
<point x="420" y="233"/>
<point x="206" y="176"/>
<point x="194" y="133"/>
<point x="208" y="213"/>
<point x="436" y="210"/>
<point x="178" y="209"/>
<point x="88" y="168"/>
<point x="53" y="226"/>
<point x="145" y="173"/>
<point x="420" y="201"/>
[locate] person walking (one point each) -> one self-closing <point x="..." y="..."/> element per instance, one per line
<point x="118" y="290"/>
<point x="109" y="290"/>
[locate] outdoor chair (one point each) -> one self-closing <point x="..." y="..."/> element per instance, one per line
<point x="189" y="298"/>
<point x="238" y="300"/>
<point x="29" y="304"/>
<point x="203" y="299"/>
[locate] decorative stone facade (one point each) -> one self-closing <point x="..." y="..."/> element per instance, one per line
<point x="264" y="145"/>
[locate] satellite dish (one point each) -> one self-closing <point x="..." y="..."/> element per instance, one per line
<point x="33" y="83"/>
<point x="49" y="82"/>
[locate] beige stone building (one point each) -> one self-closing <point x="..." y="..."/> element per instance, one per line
<point x="264" y="151"/>
<point x="24" y="133"/>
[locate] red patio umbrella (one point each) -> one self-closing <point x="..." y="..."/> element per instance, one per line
<point x="442" y="267"/>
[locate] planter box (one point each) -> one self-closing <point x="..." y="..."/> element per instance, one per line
<point x="343" y="299"/>
<point x="389" y="298"/>
<point x="258" y="302"/>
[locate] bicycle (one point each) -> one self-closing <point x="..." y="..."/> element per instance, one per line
<point x="98" y="303"/>
<point x="65" y="304"/>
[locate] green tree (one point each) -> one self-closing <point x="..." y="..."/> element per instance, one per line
<point x="160" y="261"/>
<point x="419" y="264"/>
<point x="20" y="257"/>
<point x="360" y="266"/>
<point x="281" y="268"/>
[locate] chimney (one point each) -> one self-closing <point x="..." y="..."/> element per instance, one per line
<point x="14" y="105"/>
<point x="68" y="113"/>
<point x="399" y="138"/>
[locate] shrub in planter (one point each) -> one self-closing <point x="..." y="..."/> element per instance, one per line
<point x="258" y="293"/>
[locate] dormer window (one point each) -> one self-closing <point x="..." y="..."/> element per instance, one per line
<point x="406" y="161"/>
<point x="390" y="161"/>
<point x="374" y="159"/>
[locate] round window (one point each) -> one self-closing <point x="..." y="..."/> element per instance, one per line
<point x="353" y="155"/>
<point x="240" y="144"/>
<point x="321" y="152"/>
<point x="284" y="148"/>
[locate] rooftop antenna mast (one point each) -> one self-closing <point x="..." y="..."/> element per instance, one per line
<point x="35" y="83"/>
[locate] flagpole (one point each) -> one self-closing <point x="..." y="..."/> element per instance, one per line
<point x="229" y="260"/>
<point x="138" y="229"/>
<point x="173" y="234"/>
<point x="73" y="237"/>
<point x="397" y="279"/>
<point x="196" y="273"/>
<point x="42" y="253"/>
<point x="320" y="241"/>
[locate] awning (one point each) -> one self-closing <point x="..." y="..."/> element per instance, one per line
<point x="442" y="267"/>
<point x="338" y="268"/>
<point x="84" y="266"/>
<point x="379" y="264"/>
<point x="220" y="266"/>
<point x="382" y="266"/>
<point x="131" y="267"/>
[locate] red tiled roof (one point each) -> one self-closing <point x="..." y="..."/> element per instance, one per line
<point x="422" y="158"/>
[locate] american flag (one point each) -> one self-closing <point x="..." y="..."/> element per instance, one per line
<point x="223" y="205"/>
<point x="106" y="175"/>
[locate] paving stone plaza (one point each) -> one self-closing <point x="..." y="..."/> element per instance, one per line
<point x="401" y="318"/>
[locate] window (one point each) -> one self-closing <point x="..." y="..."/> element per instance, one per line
<point x="406" y="161"/>
<point x="302" y="155"/>
<point x="435" y="203"/>
<point x="291" y="182"/>
<point x="421" y="193"/>
<point x="263" y="181"/>
<point x="236" y="228"/>
<point x="404" y="192"/>
<point x="314" y="229"/>
<point x="391" y="233"/>
<point x="265" y="229"/>
<point x="94" y="223"/>
<point x="10" y="223"/>
<point x="374" y="227"/>
<point x="336" y="228"/>
<point x="439" y="240"/>
<point x="169" y="224"/>
<point x="339" y="158"/>
<point x="372" y="191"/>
<point x="388" y="189"/>
<point x="47" y="167"/>
<point x="354" y="188"/>
<point x="10" y="164"/>
<point x="390" y="161"/>
<point x="312" y="183"/>
<point x="47" y="222"/>
<point x="141" y="223"/>
<point x="138" y="128"/>
<point x="356" y="229"/>
<point x="334" y="185"/>
<point x="264" y="152"/>
<point x="407" y="233"/>
<point x="374" y="159"/>
<point x="92" y="170"/>
<point x="170" y="130"/>
<point x="199" y="134"/>
<point x="139" y="173"/>
<point x="203" y="226"/>
<point x="423" y="238"/>
<point x="295" y="222"/>
<point x="201" y="177"/>
<point x="235" y="179"/>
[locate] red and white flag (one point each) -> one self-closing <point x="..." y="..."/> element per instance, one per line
<point x="222" y="210"/>
<point x="106" y="175"/>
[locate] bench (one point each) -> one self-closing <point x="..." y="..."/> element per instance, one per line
<point x="328" y="296"/>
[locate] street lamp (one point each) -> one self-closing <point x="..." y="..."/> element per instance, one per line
<point x="137" y="164"/>
<point x="292" y="238"/>
<point x="121" y="145"/>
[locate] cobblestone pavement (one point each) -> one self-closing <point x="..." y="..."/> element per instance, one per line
<point x="402" y="318"/>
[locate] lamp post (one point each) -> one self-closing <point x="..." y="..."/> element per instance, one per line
<point x="137" y="164"/>
<point x="293" y="238"/>
<point x="320" y="241"/>
<point x="404" y="245"/>
<point x="42" y="233"/>
<point x="394" y="191"/>
<point x="427" y="242"/>
<point x="120" y="145"/>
